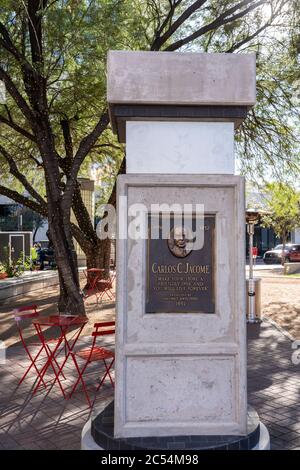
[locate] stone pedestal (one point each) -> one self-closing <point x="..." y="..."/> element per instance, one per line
<point x="182" y="373"/>
<point x="180" y="370"/>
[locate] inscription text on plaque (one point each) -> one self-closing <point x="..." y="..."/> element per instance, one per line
<point x="180" y="279"/>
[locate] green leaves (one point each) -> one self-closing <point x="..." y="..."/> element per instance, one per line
<point x="283" y="206"/>
<point x="76" y="37"/>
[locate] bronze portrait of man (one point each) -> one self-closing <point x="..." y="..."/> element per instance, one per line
<point x="179" y="242"/>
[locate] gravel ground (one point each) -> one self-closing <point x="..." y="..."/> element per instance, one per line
<point x="281" y="303"/>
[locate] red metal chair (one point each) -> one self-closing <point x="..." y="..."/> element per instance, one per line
<point x="93" y="276"/>
<point x="29" y="312"/>
<point x="105" y="287"/>
<point x="95" y="353"/>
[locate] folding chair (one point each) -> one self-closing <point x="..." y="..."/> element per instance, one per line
<point x="29" y="312"/>
<point x="93" y="276"/>
<point x="95" y="353"/>
<point x="105" y="287"/>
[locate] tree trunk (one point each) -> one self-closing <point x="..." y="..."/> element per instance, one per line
<point x="34" y="234"/>
<point x="98" y="255"/>
<point x="283" y="248"/>
<point x="70" y="299"/>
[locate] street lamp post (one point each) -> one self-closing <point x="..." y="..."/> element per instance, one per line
<point x="252" y="217"/>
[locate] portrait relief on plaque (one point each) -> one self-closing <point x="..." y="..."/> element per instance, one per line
<point x="179" y="240"/>
<point x="180" y="275"/>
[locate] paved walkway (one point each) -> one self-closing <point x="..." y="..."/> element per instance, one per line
<point x="274" y="385"/>
<point x="47" y="421"/>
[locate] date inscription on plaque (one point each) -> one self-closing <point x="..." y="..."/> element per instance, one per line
<point x="180" y="279"/>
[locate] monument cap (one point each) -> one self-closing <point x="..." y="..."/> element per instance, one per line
<point x="179" y="86"/>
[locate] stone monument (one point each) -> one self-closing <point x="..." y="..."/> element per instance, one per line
<point x="180" y="370"/>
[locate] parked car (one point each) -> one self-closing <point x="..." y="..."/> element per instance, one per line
<point x="291" y="253"/>
<point x="45" y="256"/>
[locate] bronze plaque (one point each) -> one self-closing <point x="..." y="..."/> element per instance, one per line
<point x="180" y="280"/>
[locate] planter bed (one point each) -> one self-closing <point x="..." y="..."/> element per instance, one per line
<point x="27" y="282"/>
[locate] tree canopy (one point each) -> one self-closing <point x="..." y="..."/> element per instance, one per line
<point x="77" y="36"/>
<point x="282" y="210"/>
<point x="54" y="123"/>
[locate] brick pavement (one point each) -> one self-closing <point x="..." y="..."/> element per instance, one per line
<point x="45" y="420"/>
<point x="274" y="386"/>
<point x="48" y="421"/>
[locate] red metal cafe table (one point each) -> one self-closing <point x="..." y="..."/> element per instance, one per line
<point x="64" y="323"/>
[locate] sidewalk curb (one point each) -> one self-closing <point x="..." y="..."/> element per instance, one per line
<point x="279" y="328"/>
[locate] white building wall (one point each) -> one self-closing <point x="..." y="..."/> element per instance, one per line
<point x="296" y="236"/>
<point x="41" y="234"/>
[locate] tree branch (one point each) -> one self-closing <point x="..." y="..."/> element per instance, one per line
<point x="23" y="180"/>
<point x="17" y="128"/>
<point x="35" y="29"/>
<point x="82" y="215"/>
<point x="256" y="33"/>
<point x="38" y="163"/>
<point x="84" y="148"/>
<point x="78" y="235"/>
<point x="16" y="95"/>
<point x="113" y="195"/>
<point x="160" y="40"/>
<point x="15" y="196"/>
<point x="89" y="141"/>
<point x="221" y="20"/>
<point x="247" y="39"/>
<point x="113" y="146"/>
<point x="7" y="44"/>
<point x="65" y="125"/>
<point x="168" y="18"/>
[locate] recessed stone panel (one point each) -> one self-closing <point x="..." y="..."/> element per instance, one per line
<point x="186" y="389"/>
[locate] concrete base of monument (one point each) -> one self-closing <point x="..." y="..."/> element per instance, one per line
<point x="98" y="434"/>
